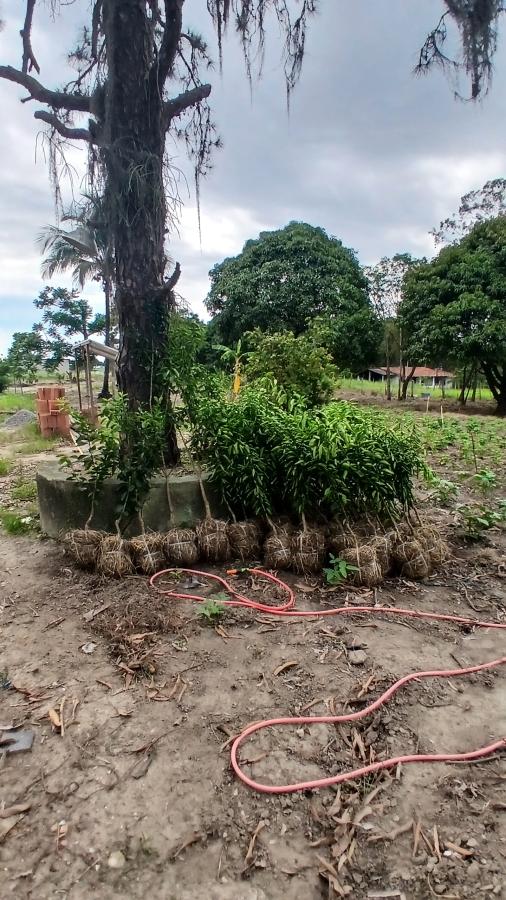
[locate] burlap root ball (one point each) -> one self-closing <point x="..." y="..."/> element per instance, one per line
<point x="308" y="550"/>
<point x="436" y="547"/>
<point x="382" y="545"/>
<point x="179" y="546"/>
<point x="115" y="560"/>
<point x="368" y="570"/>
<point x="245" y="540"/>
<point x="413" y="559"/>
<point x="339" y="538"/>
<point x="212" y="540"/>
<point x="277" y="550"/>
<point x="147" y="553"/>
<point x="83" y="547"/>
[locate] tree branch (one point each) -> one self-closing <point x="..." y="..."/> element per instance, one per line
<point x="74" y="134"/>
<point x="177" y="105"/>
<point x="37" y="91"/>
<point x="29" y="61"/>
<point x="166" y="289"/>
<point x="170" y="41"/>
<point x="95" y="27"/>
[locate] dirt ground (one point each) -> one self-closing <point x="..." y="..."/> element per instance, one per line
<point x="135" y="797"/>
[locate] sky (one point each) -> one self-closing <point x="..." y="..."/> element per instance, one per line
<point x="370" y="152"/>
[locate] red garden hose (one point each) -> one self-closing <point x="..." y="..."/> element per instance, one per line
<point x="287" y="610"/>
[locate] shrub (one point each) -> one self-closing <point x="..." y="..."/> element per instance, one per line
<point x="4" y="375"/>
<point x="337" y="461"/>
<point x="298" y="365"/>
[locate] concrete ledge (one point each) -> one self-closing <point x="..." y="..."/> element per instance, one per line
<point x="64" y="504"/>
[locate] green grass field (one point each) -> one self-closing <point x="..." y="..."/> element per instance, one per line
<point x="378" y="388"/>
<point x="10" y="402"/>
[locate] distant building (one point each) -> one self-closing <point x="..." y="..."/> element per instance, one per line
<point x="422" y="375"/>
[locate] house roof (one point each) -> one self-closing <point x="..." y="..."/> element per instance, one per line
<point x="420" y="372"/>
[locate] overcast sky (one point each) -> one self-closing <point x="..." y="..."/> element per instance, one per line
<point x="369" y="152"/>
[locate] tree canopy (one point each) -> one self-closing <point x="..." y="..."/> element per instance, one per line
<point x="454" y="308"/>
<point x="65" y="315"/>
<point x="286" y="279"/>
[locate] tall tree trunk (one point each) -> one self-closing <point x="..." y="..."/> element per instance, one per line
<point x="462" y="395"/>
<point x="105" y="392"/>
<point x="496" y="380"/>
<point x="405" y="382"/>
<point x="134" y="143"/>
<point x="388" y="356"/>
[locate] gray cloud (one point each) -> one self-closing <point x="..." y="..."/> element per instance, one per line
<point x="370" y="152"/>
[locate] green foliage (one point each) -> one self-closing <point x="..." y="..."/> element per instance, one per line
<point x="283" y="280"/>
<point x="454" y="308"/>
<point x="445" y="491"/>
<point x="297" y="365"/>
<point x="477" y="520"/>
<point x="126" y="444"/>
<point x="16" y="523"/>
<point x="24" y="489"/>
<point x="338" y="570"/>
<point x="212" y="609"/>
<point x="65" y="315"/>
<point x="485" y="480"/>
<point x="11" y="402"/>
<point x="25" y="355"/>
<point x="5" y="466"/>
<point x="352" y="340"/>
<point x="5" y="374"/>
<point x="339" y="460"/>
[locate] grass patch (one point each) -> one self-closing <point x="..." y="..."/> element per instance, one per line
<point x="11" y="402"/>
<point x="5" y="467"/>
<point x="24" y="489"/>
<point x="18" y="523"/>
<point x="375" y="388"/>
<point x="26" y="439"/>
<point x="37" y="445"/>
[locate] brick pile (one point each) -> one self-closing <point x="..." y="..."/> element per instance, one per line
<point x="52" y="414"/>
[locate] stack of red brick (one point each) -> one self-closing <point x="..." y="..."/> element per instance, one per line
<point x="51" y="412"/>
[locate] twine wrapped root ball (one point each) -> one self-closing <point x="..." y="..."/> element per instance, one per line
<point x="212" y="540"/>
<point x="339" y="539"/>
<point x="180" y="547"/>
<point x="147" y="553"/>
<point x="244" y="538"/>
<point x="436" y="548"/>
<point x="277" y="550"/>
<point x="83" y="546"/>
<point x="382" y="545"/>
<point x="413" y="559"/>
<point x="115" y="560"/>
<point x="308" y="550"/>
<point x="368" y="570"/>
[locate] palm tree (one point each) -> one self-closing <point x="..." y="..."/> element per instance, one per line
<point x="85" y="251"/>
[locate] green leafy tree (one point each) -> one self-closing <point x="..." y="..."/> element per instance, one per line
<point x="298" y="365"/>
<point x="5" y="374"/>
<point x="282" y="281"/>
<point x="65" y="315"/>
<point x="487" y="202"/>
<point x="454" y="308"/>
<point x="385" y="281"/>
<point x="352" y="339"/>
<point x="85" y="251"/>
<point x="25" y="355"/>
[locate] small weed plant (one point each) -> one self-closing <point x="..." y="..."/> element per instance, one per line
<point x="5" y="467"/>
<point x="478" y="520"/>
<point x="338" y="571"/>
<point x="485" y="481"/>
<point x="212" y="610"/>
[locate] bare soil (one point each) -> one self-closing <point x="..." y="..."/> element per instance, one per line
<point x="142" y="766"/>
